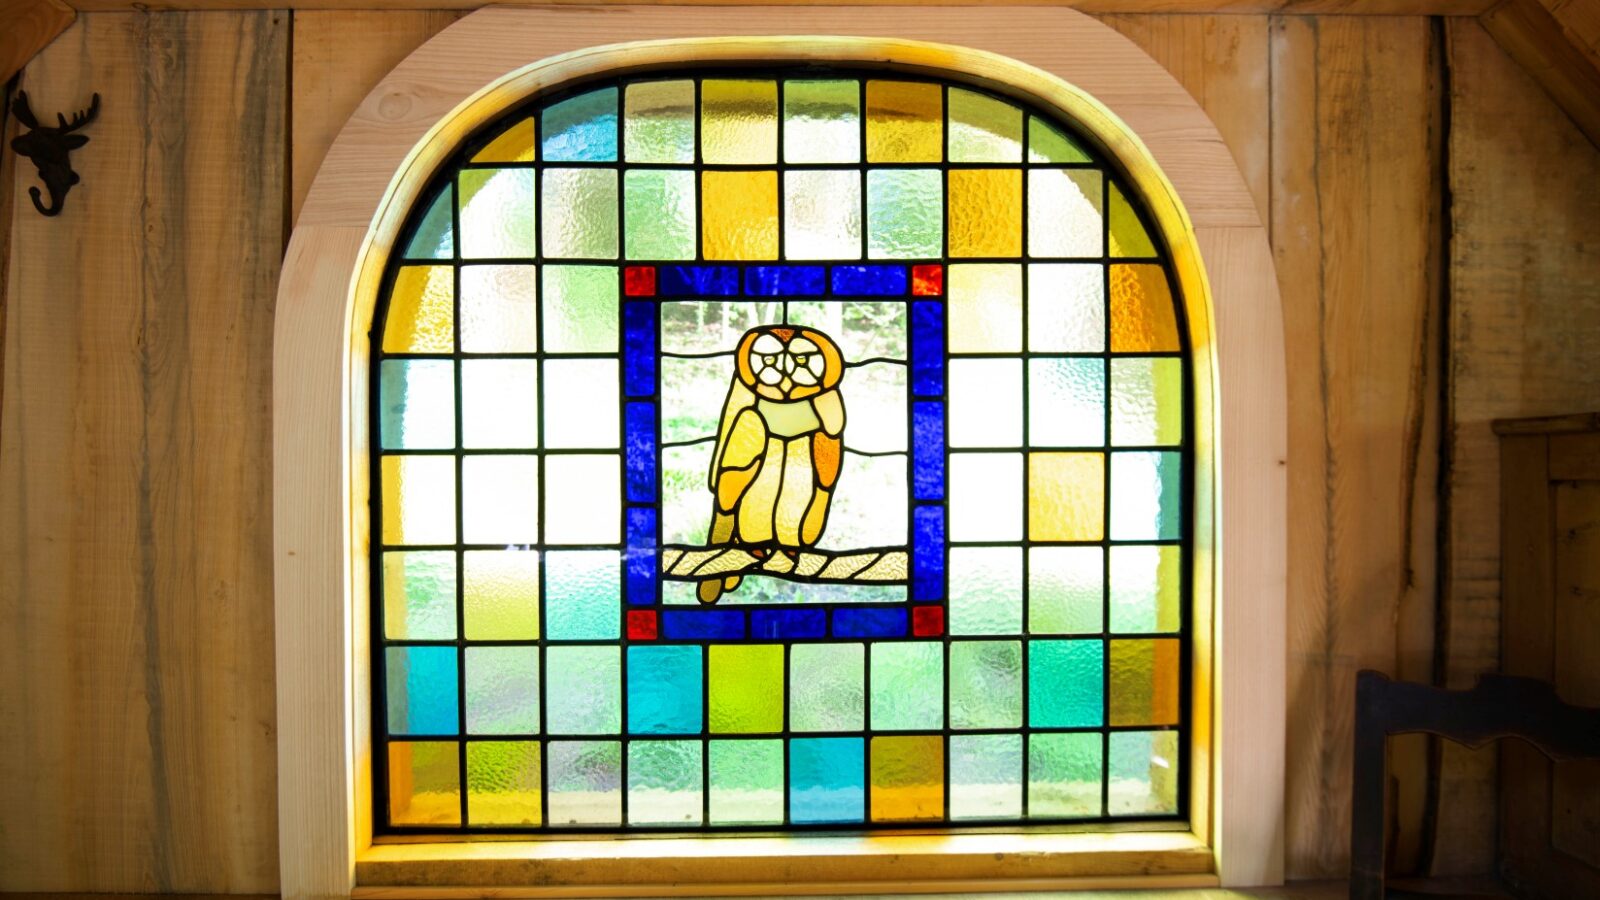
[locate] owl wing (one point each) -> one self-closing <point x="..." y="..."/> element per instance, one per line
<point x="828" y="441"/>
<point x="741" y="442"/>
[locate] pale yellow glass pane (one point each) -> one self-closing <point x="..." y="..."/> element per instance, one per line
<point x="985" y="308"/>
<point x="516" y="144"/>
<point x="659" y="122"/>
<point x="499" y="403"/>
<point x="500" y="594"/>
<point x="497" y="213"/>
<point x="1142" y="317"/>
<point x="1128" y="237"/>
<point x="985" y="212"/>
<point x="739" y="121"/>
<point x="1067" y="307"/>
<point x="580" y="213"/>
<point x="740" y="212"/>
<point x="986" y="496"/>
<point x="419" y="499"/>
<point x="500" y="499"/>
<point x="822" y="215"/>
<point x="905" y="122"/>
<point x="822" y="121"/>
<point x="580" y="403"/>
<point x="583" y="498"/>
<point x="1064" y="212"/>
<point x="985" y="402"/>
<point x="421" y="311"/>
<point x="499" y="312"/>
<point x="983" y="129"/>
<point x="1066" y="496"/>
<point x="424" y="783"/>
<point x="1146" y="401"/>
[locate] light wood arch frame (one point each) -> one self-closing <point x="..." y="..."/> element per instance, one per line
<point x="1056" y="58"/>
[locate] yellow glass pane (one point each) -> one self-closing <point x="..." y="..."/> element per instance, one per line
<point x="516" y="144"/>
<point x="907" y="778"/>
<point x="1066" y="496"/>
<point x="983" y="129"/>
<point x="1128" y="237"/>
<point x="419" y="499"/>
<point x="739" y="121"/>
<point x="1144" y="682"/>
<point x="1142" y="317"/>
<point x="420" y="311"/>
<point x="746" y="688"/>
<point x="905" y="122"/>
<point x="503" y="783"/>
<point x="985" y="212"/>
<point x="424" y="783"/>
<point x="740" y="212"/>
<point x="985" y="308"/>
<point x="500" y="594"/>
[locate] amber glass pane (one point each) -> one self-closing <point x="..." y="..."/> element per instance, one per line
<point x="907" y="778"/>
<point x="985" y="212"/>
<point x="1144" y="682"/>
<point x="1142" y="316"/>
<point x="424" y="783"/>
<point x="519" y="143"/>
<point x="905" y="122"/>
<point x="741" y="215"/>
<point x="739" y="121"/>
<point x="421" y="309"/>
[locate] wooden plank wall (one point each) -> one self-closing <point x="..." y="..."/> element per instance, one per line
<point x="112" y="386"/>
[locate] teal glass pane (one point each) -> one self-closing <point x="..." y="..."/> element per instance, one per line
<point x="905" y="213"/>
<point x="417" y="404"/>
<point x="1066" y="402"/>
<point x="585" y="782"/>
<point x="435" y="238"/>
<point x="827" y="780"/>
<point x="420" y="686"/>
<point x="1066" y="684"/>
<point x="665" y="694"/>
<point x="985" y="590"/>
<point x="659" y="122"/>
<point x="1064" y="775"/>
<point x="746" y="782"/>
<point x="502" y="690"/>
<point x="419" y="595"/>
<point x="583" y="694"/>
<point x="582" y="129"/>
<point x="1066" y="590"/>
<point x="659" y="214"/>
<point x="579" y="212"/>
<point x="499" y="403"/>
<point x="826" y="687"/>
<point x="1146" y="496"/>
<point x="583" y="594"/>
<point x="985" y="684"/>
<point x="580" y="309"/>
<point x="1143" y="773"/>
<point x="985" y="776"/>
<point x="497" y="213"/>
<point x="822" y="121"/>
<point x="664" y="782"/>
<point x="907" y="686"/>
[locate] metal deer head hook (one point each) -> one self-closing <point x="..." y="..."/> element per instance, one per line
<point x="49" y="147"/>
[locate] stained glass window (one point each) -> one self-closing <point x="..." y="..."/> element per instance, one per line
<point x="779" y="451"/>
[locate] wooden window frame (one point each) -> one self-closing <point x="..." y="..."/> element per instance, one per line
<point x="1056" y="58"/>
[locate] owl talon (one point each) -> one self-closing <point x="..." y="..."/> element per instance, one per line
<point x="709" y="591"/>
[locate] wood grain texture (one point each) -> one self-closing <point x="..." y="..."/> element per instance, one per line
<point x="1235" y="7"/>
<point x="30" y="26"/>
<point x="1524" y="319"/>
<point x="1564" y="63"/>
<point x="136" y="635"/>
<point x="1356" y="120"/>
<point x="332" y="73"/>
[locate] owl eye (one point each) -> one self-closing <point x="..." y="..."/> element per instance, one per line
<point x="801" y="359"/>
<point x="770" y="359"/>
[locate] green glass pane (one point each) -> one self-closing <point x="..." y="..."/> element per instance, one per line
<point x="1128" y="237"/>
<point x="1065" y="590"/>
<point x="583" y="594"/>
<point x="659" y="213"/>
<point x="1066" y="402"/>
<point x="435" y="237"/>
<point x="580" y="403"/>
<point x="983" y="129"/>
<point x="502" y="690"/>
<point x="579" y="214"/>
<point x="503" y="783"/>
<point x="825" y="687"/>
<point x="1066" y="307"/>
<point x="985" y="590"/>
<point x="583" y="693"/>
<point x="985" y="684"/>
<point x="1064" y="774"/>
<point x="500" y="594"/>
<point x="1146" y="496"/>
<point x="585" y="782"/>
<point x="497" y="213"/>
<point x="747" y="782"/>
<point x="985" y="776"/>
<point x="985" y="403"/>
<point x="986" y="496"/>
<point x="822" y="121"/>
<point x="1146" y="587"/>
<point x="1146" y="401"/>
<point x="746" y="688"/>
<point x="499" y="309"/>
<point x="905" y="214"/>
<point x="582" y="499"/>
<point x="499" y="403"/>
<point x="1066" y="683"/>
<point x="1144" y="773"/>
<point x="822" y="215"/>
<point x="1064" y="212"/>
<point x="419" y="595"/>
<point x="583" y="128"/>
<point x="659" y="122"/>
<point x="1047" y="144"/>
<point x="907" y="686"/>
<point x="416" y="404"/>
<point x="664" y="782"/>
<point x="500" y="499"/>
<point x="580" y="309"/>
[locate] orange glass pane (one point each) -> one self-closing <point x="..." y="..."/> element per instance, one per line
<point x="516" y="144"/>
<point x="1144" y="682"/>
<point x="985" y="212"/>
<point x="421" y="311"/>
<point x="740" y="212"/>
<point x="1066" y="496"/>
<point x="907" y="778"/>
<point x="1142" y="315"/>
<point x="424" y="783"/>
<point x="905" y="122"/>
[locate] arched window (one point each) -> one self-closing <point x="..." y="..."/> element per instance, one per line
<point x="765" y="448"/>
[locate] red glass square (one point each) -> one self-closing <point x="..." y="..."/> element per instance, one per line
<point x="927" y="281"/>
<point x="639" y="281"/>
<point x="641" y="624"/>
<point x="927" y="620"/>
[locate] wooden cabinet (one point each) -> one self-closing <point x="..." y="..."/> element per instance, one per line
<point x="1550" y="629"/>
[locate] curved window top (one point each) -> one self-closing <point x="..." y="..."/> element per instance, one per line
<point x="764" y="449"/>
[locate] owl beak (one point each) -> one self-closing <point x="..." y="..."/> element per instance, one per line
<point x="786" y="385"/>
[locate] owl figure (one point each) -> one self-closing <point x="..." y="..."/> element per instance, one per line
<point x="778" y="446"/>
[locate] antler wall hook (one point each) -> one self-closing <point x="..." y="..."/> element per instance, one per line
<point x="48" y="148"/>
